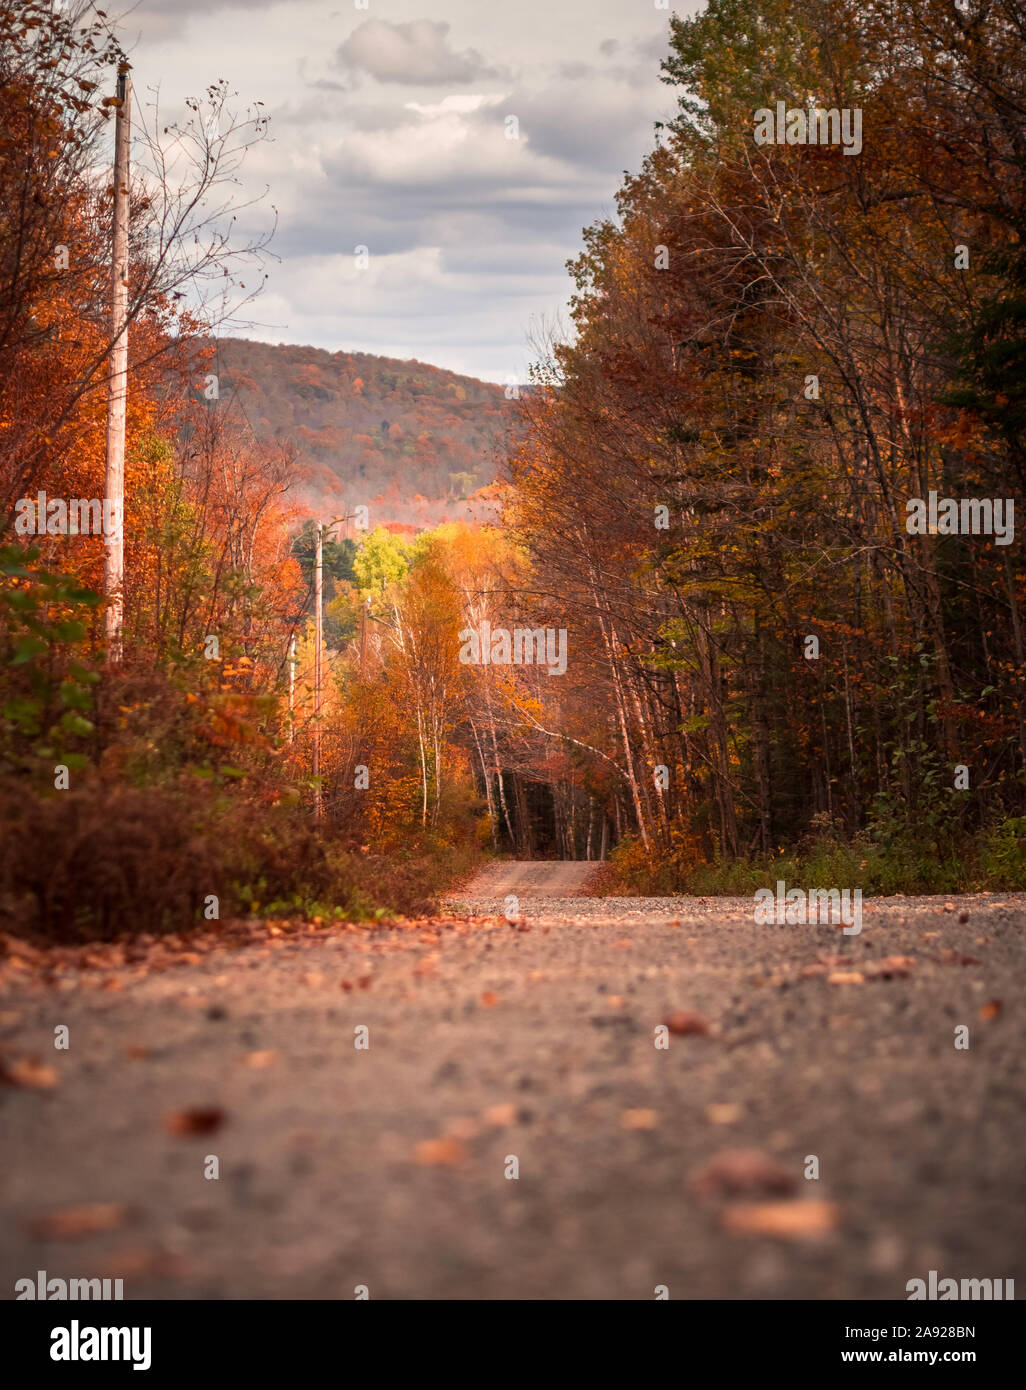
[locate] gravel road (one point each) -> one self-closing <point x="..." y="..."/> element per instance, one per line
<point x="534" y="1041"/>
<point x="526" y="878"/>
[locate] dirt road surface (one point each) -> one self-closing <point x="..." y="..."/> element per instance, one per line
<point x="525" y="878"/>
<point x="533" y="1047"/>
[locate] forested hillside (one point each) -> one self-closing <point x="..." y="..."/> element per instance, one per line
<point x="370" y="427"/>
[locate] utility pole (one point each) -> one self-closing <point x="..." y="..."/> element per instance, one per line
<point x="117" y="381"/>
<point x="318" y="635"/>
<point x="292" y="687"/>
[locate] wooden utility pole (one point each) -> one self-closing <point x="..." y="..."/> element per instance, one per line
<point x="318" y="635"/>
<point x="117" y="381"/>
<point x="292" y="687"/>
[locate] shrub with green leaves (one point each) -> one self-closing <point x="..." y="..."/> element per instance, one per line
<point x="48" y="689"/>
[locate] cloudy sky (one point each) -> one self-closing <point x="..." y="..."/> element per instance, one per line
<point x="389" y="130"/>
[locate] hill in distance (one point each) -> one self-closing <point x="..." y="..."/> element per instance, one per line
<point x="412" y="441"/>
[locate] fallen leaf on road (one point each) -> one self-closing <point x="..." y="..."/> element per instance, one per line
<point x="723" y="1114"/>
<point x="259" y="1060"/>
<point x="488" y="999"/>
<point x="846" y="977"/>
<point x="740" y="1170"/>
<point x="683" y="1023"/>
<point x="70" y="1222"/>
<point x="639" y="1119"/>
<point x="891" y="967"/>
<point x="440" y="1152"/>
<point x="991" y="1010"/>
<point x="200" y="1120"/>
<point x="500" y="1115"/>
<point x="797" y="1220"/>
<point x="29" y="1072"/>
<point x="955" y="958"/>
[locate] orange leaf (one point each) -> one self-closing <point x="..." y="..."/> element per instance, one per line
<point x="500" y="1115"/>
<point x="259" y="1060"/>
<point x="29" y="1072"/>
<point x="440" y="1152"/>
<point x="639" y="1119"/>
<point x="70" y="1222"/>
<point x="785" y="1220"/>
<point x="726" y="1114"/>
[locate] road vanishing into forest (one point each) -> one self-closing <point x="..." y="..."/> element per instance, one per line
<point x="662" y="1076"/>
<point x="526" y="878"/>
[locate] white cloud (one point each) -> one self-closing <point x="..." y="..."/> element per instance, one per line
<point x="416" y="54"/>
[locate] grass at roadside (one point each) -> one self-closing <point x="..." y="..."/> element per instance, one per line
<point x="992" y="859"/>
